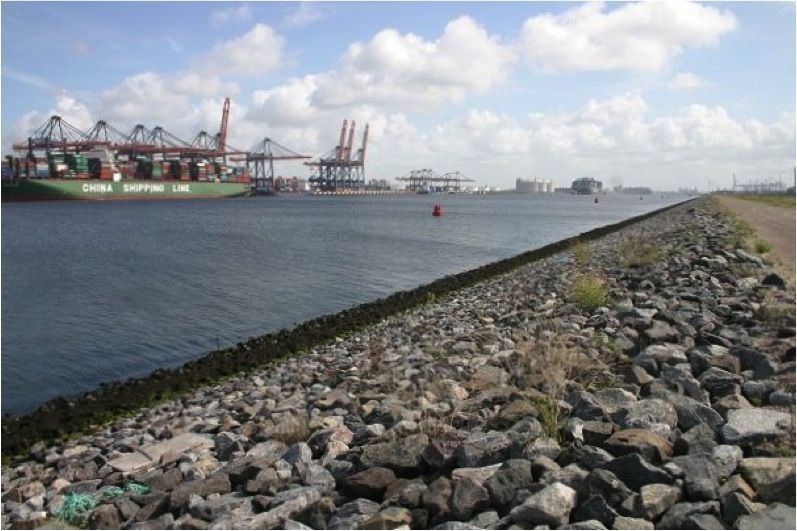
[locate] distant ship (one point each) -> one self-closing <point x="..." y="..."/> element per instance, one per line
<point x="59" y="161"/>
<point x="586" y="186"/>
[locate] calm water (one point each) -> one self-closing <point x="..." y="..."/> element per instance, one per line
<point x="93" y="292"/>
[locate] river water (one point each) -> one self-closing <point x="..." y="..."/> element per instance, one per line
<point x="100" y="291"/>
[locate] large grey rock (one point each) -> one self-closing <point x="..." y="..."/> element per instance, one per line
<point x="595" y="508"/>
<point x="436" y="498"/>
<point x="754" y="425"/>
<point x="105" y="516"/>
<point x="626" y="522"/>
<point x="676" y="517"/>
<point x="612" y="399"/>
<point x="314" y="475"/>
<point x="572" y="475"/>
<point x="369" y="483"/>
<point x="669" y="354"/>
<point x="655" y="499"/>
<point x="478" y="475"/>
<point x="635" y="472"/>
<point x="691" y="412"/>
<point x="681" y="375"/>
<point x="297" y="502"/>
<point x="404" y="456"/>
<point x="586" y="524"/>
<point x="701" y="478"/>
<point x="405" y="492"/>
<point x="661" y="332"/>
<point x="298" y="453"/>
<point x="482" y="449"/>
<point x="719" y="382"/>
<point x="773" y="478"/>
<point x="699" y="440"/>
<point x="468" y="498"/>
<point x="776" y="516"/>
<point x="605" y="483"/>
<point x="550" y="506"/>
<point x="350" y="515"/>
<point x="650" y="414"/>
<point x="226" y="443"/>
<point x="389" y="518"/>
<point x="513" y="475"/>
<point x="726" y="458"/>
<point x="703" y="521"/>
<point x="736" y="505"/>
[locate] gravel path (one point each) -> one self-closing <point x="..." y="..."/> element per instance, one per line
<point x="774" y="224"/>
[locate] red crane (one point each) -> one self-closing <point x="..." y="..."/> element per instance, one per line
<point x="225" y="116"/>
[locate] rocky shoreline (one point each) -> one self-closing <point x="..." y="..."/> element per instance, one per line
<point x="642" y="380"/>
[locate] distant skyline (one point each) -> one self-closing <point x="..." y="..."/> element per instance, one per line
<point x="658" y="94"/>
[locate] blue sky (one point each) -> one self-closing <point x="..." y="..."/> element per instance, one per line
<point x="645" y="94"/>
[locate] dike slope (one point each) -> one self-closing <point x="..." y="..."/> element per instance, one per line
<point x="66" y="416"/>
<point x="643" y="379"/>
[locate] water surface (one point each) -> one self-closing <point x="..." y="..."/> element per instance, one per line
<point x="100" y="291"/>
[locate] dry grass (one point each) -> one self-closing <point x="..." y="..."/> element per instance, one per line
<point x="776" y="313"/>
<point x="638" y="252"/>
<point x="552" y="365"/>
<point x="581" y="255"/>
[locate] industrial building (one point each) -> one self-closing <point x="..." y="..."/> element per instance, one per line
<point x="534" y="186"/>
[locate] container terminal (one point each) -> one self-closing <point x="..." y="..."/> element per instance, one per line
<point x="61" y="161"/>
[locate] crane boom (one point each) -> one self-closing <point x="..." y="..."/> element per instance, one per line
<point x="225" y="116"/>
<point x="350" y="142"/>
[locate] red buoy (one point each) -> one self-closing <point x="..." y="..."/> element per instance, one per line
<point x="437" y="211"/>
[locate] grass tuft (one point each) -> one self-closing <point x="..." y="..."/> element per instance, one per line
<point x="581" y="255"/>
<point x="637" y="252"/>
<point x="762" y="246"/>
<point x="589" y="293"/>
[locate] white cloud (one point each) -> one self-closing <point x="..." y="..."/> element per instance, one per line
<point x="28" y="79"/>
<point x="258" y="51"/>
<point x="304" y="15"/>
<point x="404" y="68"/>
<point x="392" y="71"/>
<point x="241" y="13"/>
<point x="685" y="81"/>
<point x="640" y="36"/>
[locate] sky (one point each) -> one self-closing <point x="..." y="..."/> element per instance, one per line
<point x="659" y="94"/>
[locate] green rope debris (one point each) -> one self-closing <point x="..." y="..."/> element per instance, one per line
<point x="77" y="508"/>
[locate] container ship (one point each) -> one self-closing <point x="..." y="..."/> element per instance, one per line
<point x="59" y="161"/>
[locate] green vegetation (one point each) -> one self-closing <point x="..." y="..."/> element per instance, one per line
<point x="589" y="293"/>
<point x="548" y="415"/>
<point x="602" y="341"/>
<point x="581" y="254"/>
<point x="437" y="355"/>
<point x="778" y="200"/>
<point x="762" y="246"/>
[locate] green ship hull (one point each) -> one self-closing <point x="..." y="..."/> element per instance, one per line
<point x="49" y="189"/>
